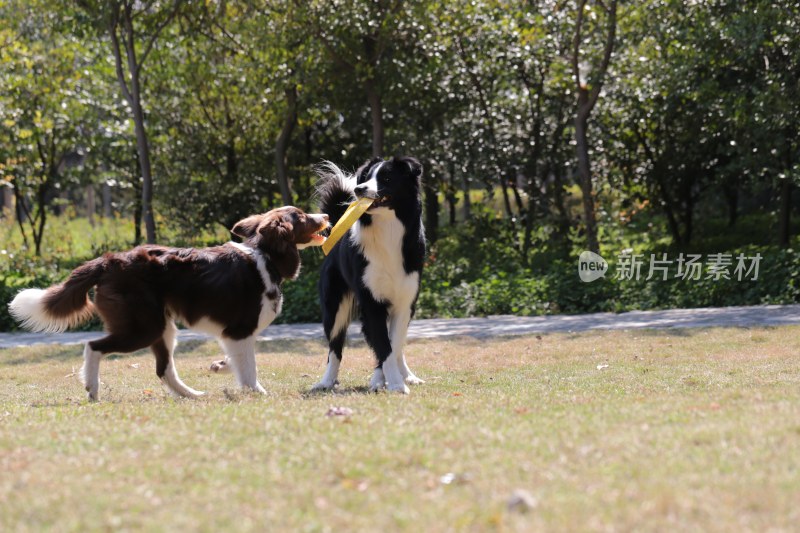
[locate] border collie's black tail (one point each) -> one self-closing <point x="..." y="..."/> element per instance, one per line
<point x="334" y="190"/>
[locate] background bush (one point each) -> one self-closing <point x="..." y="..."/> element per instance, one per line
<point x="470" y="272"/>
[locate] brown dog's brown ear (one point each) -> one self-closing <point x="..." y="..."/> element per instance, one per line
<point x="247" y="227"/>
<point x="277" y="229"/>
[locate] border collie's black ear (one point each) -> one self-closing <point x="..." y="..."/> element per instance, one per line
<point x="247" y="227"/>
<point x="363" y="170"/>
<point x="414" y="166"/>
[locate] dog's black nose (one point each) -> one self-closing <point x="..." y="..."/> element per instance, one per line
<point x="360" y="189"/>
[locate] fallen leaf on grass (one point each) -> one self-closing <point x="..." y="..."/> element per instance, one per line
<point x="457" y="394"/>
<point x="339" y="411"/>
<point x="447" y="479"/>
<point x="147" y="392"/>
<point x="134" y="365"/>
<point x="321" y="503"/>
<point x="354" y="484"/>
<point x="521" y="501"/>
<point x="601" y="367"/>
<point x="451" y="478"/>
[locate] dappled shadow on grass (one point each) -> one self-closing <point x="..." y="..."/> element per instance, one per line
<point x="680" y="332"/>
<point x="190" y="346"/>
<point x="292" y="346"/>
<point x="29" y="355"/>
<point x="66" y="402"/>
<point x="198" y="349"/>
<point x="361" y="390"/>
<point x="667" y="332"/>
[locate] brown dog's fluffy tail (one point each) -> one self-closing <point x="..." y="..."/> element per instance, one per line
<point x="61" y="306"/>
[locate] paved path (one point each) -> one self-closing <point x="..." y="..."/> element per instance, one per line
<point x="494" y="326"/>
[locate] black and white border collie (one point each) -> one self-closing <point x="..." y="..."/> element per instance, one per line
<point x="376" y="267"/>
<point x="231" y="291"/>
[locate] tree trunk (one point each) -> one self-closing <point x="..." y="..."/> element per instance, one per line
<point x="106" y="200"/>
<point x="530" y="213"/>
<point x="563" y="215"/>
<point x="376" y="111"/>
<point x="137" y="205"/>
<point x="134" y="97"/>
<point x="451" y="193"/>
<point x="667" y="203"/>
<point x="41" y="201"/>
<point x="688" y="222"/>
<point x="147" y="176"/>
<point x="517" y="197"/>
<point x="91" y="205"/>
<point x="431" y="210"/>
<point x="282" y="145"/>
<point x="731" y="192"/>
<point x="467" y="206"/>
<point x="668" y="206"/>
<point x="231" y="160"/>
<point x="19" y="202"/>
<point x="674" y="227"/>
<point x="585" y="177"/>
<point x="7" y="204"/>
<point x="587" y="98"/>
<point x="506" y="199"/>
<point x="527" y="239"/>
<point x="451" y="209"/>
<point x="785" y="214"/>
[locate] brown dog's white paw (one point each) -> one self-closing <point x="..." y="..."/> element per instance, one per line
<point x="220" y="367"/>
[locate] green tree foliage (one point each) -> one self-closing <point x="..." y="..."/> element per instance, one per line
<point x="48" y="111"/>
<point x="699" y="107"/>
<point x="132" y="29"/>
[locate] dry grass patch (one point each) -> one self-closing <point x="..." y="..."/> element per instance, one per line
<point x="604" y="430"/>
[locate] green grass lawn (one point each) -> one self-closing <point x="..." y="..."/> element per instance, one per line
<point x="674" y="430"/>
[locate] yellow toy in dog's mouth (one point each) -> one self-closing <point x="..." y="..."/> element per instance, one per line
<point x="354" y="211"/>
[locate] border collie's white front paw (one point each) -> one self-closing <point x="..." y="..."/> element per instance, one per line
<point x="398" y="387"/>
<point x="378" y="382"/>
<point x="411" y="379"/>
<point x="323" y="386"/>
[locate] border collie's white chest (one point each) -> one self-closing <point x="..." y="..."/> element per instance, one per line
<point x="382" y="244"/>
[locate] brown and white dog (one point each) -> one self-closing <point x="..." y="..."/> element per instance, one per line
<point x="231" y="291"/>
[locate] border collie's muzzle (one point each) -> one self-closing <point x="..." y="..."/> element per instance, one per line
<point x="365" y="191"/>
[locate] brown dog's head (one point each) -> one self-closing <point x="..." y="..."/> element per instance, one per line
<point x="280" y="233"/>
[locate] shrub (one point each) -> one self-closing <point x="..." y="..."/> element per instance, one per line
<point x="472" y="272"/>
